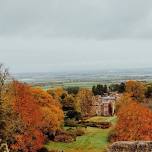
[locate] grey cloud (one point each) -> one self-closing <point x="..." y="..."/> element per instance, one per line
<point x="55" y="35"/>
<point x="75" y="18"/>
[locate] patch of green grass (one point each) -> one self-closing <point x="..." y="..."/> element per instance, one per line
<point x="111" y="119"/>
<point x="95" y="140"/>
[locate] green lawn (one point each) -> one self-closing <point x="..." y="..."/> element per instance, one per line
<point x="103" y="119"/>
<point x="95" y="139"/>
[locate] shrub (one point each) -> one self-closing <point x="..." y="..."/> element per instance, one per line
<point x="103" y="125"/>
<point x="73" y="114"/>
<point x="76" y="132"/>
<point x="63" y="138"/>
<point x="71" y="123"/>
<point x="69" y="135"/>
<point x="79" y="132"/>
<point x="112" y="136"/>
<point x="62" y="135"/>
<point x="72" y="132"/>
<point x="72" y="90"/>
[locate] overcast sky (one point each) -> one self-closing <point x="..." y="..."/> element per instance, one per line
<point x="64" y="35"/>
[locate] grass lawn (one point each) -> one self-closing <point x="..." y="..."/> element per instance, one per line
<point x="103" y="119"/>
<point x="95" y="140"/>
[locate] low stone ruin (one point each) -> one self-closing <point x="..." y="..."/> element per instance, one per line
<point x="128" y="146"/>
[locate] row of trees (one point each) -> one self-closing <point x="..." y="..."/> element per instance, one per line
<point x="100" y="89"/>
<point x="137" y="88"/>
<point x="120" y="88"/>
<point x="26" y="114"/>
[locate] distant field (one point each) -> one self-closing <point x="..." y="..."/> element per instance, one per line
<point x="95" y="139"/>
<point x="73" y="84"/>
<point x="84" y="79"/>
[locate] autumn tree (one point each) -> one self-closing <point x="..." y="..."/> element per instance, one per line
<point x="58" y="91"/>
<point x="28" y="135"/>
<point x="134" y="122"/>
<point x="51" y="109"/>
<point x="123" y="101"/>
<point x="68" y="102"/>
<point x="136" y="89"/>
<point x="84" y="101"/>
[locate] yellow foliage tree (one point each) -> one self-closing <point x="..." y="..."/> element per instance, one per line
<point x="84" y="101"/>
<point x="136" y="90"/>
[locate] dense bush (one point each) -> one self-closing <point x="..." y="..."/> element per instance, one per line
<point x="70" y="123"/>
<point x="72" y="90"/>
<point x="64" y="135"/>
<point x="68" y="135"/>
<point x="112" y="136"/>
<point x="79" y="132"/>
<point x="63" y="138"/>
<point x="76" y="131"/>
<point x="148" y="91"/>
<point x="103" y="125"/>
<point x="73" y="114"/>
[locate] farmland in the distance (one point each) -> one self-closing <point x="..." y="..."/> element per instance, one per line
<point x="83" y="78"/>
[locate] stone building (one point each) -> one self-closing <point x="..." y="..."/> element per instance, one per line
<point x="104" y="106"/>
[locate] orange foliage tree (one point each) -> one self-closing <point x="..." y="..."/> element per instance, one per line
<point x="29" y="138"/>
<point x="51" y="109"/>
<point x="134" y="122"/>
<point x="58" y="91"/>
<point x="136" y="89"/>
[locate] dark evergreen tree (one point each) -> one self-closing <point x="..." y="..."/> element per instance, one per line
<point x="121" y="88"/>
<point x="148" y="92"/>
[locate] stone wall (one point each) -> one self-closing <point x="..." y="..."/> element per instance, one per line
<point x="126" y="146"/>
